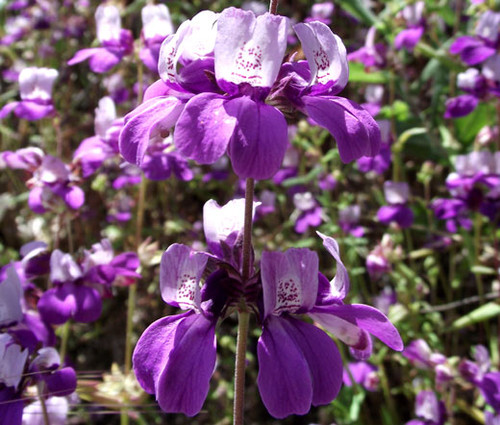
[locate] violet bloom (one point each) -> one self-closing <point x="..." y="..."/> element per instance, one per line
<point x="474" y="84"/>
<point x="378" y="261"/>
<point x="35" y="86"/>
<point x="476" y="49"/>
<point x="299" y="364"/>
<point x="431" y="410"/>
<point x="349" y="219"/>
<point x="248" y="52"/>
<point x="311" y="86"/>
<point x="381" y="162"/>
<point x="321" y="12"/>
<point x="175" y="356"/>
<point x="419" y="354"/>
<point x="409" y="38"/>
<point x="115" y="41"/>
<point x="156" y="26"/>
<point x="52" y="183"/>
<point x="94" y="151"/>
<point x="363" y="373"/>
<point x="371" y="55"/>
<point x="12" y="363"/>
<point x="309" y="212"/>
<point x="10" y="299"/>
<point x="454" y="211"/>
<point x="69" y="297"/>
<point x="396" y="195"/>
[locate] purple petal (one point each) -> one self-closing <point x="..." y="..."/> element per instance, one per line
<point x="158" y="113"/>
<point x="33" y="111"/>
<point x="472" y="50"/>
<point x="326" y="55"/>
<point x="339" y="286"/>
<point x="153" y="349"/>
<point x="61" y="382"/>
<point x="180" y="274"/>
<point x="460" y="106"/>
<point x="56" y="306"/>
<point x="7" y="109"/>
<point x="35" y="200"/>
<point x="83" y="55"/>
<point x="183" y="384"/>
<point x="260" y="139"/>
<point x="408" y="38"/>
<point x="104" y="60"/>
<point x="289" y="280"/>
<point x="88" y="304"/>
<point x="367" y="318"/>
<point x="10" y="298"/>
<point x="284" y="380"/>
<point x="400" y="214"/>
<point x="323" y="359"/>
<point x="249" y="49"/>
<point x="204" y="128"/>
<point x="356" y="132"/>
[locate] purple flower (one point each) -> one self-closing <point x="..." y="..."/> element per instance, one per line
<point x="175" y="356"/>
<point x="299" y="365"/>
<point x="311" y="86"/>
<point x="35" y="86"/>
<point x="310" y="212"/>
<point x="477" y="49"/>
<point x="321" y="12"/>
<point x="454" y="211"/>
<point x="431" y="410"/>
<point x="57" y="409"/>
<point x="10" y="298"/>
<point x="378" y="261"/>
<point x="371" y="55"/>
<point x="115" y="41"/>
<point x="349" y="219"/>
<point x="420" y="354"/>
<point x="363" y="373"/>
<point x="156" y="26"/>
<point x="396" y="195"/>
<point x="409" y="38"/>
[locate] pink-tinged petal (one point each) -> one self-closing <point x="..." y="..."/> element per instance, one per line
<point x="83" y="55"/>
<point x="326" y="55"/>
<point x="472" y="50"/>
<point x="260" y="139"/>
<point x="73" y="196"/>
<point x="284" y="380"/>
<point x="184" y="382"/>
<point x="7" y="109"/>
<point x="289" y="280"/>
<point x="349" y="333"/>
<point x="204" y="128"/>
<point x="35" y="200"/>
<point x="156" y="114"/>
<point x="180" y="274"/>
<point x="356" y="132"/>
<point x="339" y="285"/>
<point x="249" y="49"/>
<point x="103" y="60"/>
<point x="153" y="349"/>
<point x="322" y="356"/>
<point x="367" y="318"/>
<point x="108" y="22"/>
<point x="408" y="38"/>
<point x="158" y="88"/>
<point x="33" y="111"/>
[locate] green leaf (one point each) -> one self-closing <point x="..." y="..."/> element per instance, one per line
<point x="468" y="127"/>
<point x="358" y="9"/>
<point x="358" y="74"/>
<point x="480" y="314"/>
<point x="483" y="270"/>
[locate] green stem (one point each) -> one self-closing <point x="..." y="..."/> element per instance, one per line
<point x="64" y="342"/>
<point x="45" y="413"/>
<point x="243" y="314"/>
<point x="239" y="370"/>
